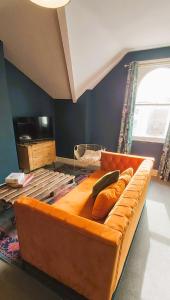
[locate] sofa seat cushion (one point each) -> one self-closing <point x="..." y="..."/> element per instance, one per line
<point x="79" y="201"/>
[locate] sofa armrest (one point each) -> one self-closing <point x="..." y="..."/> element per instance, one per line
<point x="111" y="161"/>
<point x="69" y="248"/>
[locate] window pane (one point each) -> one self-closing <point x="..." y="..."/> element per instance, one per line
<point x="151" y="121"/>
<point x="155" y="87"/>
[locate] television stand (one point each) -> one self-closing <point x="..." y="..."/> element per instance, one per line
<point x="33" y="155"/>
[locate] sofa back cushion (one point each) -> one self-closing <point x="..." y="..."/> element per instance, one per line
<point x="107" y="198"/>
<point x="104" y="181"/>
<point x="128" y="171"/>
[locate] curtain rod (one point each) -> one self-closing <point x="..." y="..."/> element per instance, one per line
<point x="155" y="62"/>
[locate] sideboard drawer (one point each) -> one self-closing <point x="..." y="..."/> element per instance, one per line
<point x="36" y="155"/>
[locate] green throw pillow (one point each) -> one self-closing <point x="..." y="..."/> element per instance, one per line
<point x="104" y="181"/>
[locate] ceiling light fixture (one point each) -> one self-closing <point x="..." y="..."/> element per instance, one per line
<point x="51" y="3"/>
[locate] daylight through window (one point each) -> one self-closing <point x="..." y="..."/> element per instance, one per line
<point x="152" y="108"/>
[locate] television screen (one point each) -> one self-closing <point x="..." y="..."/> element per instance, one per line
<point x="33" y="128"/>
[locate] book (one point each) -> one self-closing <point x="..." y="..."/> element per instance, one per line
<point x="15" y="178"/>
<point x="22" y="182"/>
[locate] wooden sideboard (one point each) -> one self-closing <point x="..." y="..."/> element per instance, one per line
<point x="36" y="155"/>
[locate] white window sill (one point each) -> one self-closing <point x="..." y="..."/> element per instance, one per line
<point x="148" y="139"/>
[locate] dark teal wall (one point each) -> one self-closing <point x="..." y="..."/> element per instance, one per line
<point x="148" y="149"/>
<point x="72" y="123"/>
<point x="104" y="106"/>
<point x="26" y="98"/>
<point x="95" y="118"/>
<point x="107" y="104"/>
<point x="19" y="96"/>
<point x="8" y="155"/>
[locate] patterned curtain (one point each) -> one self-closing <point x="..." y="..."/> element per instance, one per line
<point x="164" y="168"/>
<point x="125" y="137"/>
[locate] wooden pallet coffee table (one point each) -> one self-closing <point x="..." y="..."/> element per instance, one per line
<point x="45" y="183"/>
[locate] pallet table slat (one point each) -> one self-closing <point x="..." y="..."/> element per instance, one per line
<point x="44" y="183"/>
<point x="5" y="187"/>
<point x="32" y="189"/>
<point x="11" y="190"/>
<point x="50" y="188"/>
<point x="42" y="178"/>
<point x="3" y="190"/>
<point x="49" y="185"/>
<point x="19" y="191"/>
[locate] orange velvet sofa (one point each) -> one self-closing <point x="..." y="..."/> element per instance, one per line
<point x="64" y="241"/>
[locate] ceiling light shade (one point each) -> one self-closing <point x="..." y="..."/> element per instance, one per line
<point x="51" y="3"/>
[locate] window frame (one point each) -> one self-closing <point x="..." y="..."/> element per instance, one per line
<point x="150" y="139"/>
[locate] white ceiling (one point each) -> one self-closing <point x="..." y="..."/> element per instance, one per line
<point x="101" y="32"/>
<point x="95" y="35"/>
<point x="32" y="42"/>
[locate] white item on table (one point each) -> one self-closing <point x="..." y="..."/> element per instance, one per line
<point x="15" y="178"/>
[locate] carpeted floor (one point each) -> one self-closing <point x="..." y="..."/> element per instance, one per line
<point x="146" y="275"/>
<point x="9" y="246"/>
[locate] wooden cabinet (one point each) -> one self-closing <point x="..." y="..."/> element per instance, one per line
<point x="36" y="155"/>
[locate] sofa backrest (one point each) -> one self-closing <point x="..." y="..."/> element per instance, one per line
<point x="111" y="161"/>
<point x="135" y="188"/>
<point x="125" y="214"/>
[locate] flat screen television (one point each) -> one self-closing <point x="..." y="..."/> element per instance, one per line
<point x="29" y="129"/>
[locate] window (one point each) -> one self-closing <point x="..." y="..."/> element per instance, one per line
<point x="152" y="108"/>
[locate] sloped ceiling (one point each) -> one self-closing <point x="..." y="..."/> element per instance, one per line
<point x="70" y="50"/>
<point x="32" y="42"/>
<point x="101" y="32"/>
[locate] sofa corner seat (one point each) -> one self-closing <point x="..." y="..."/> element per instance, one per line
<point x="66" y="243"/>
